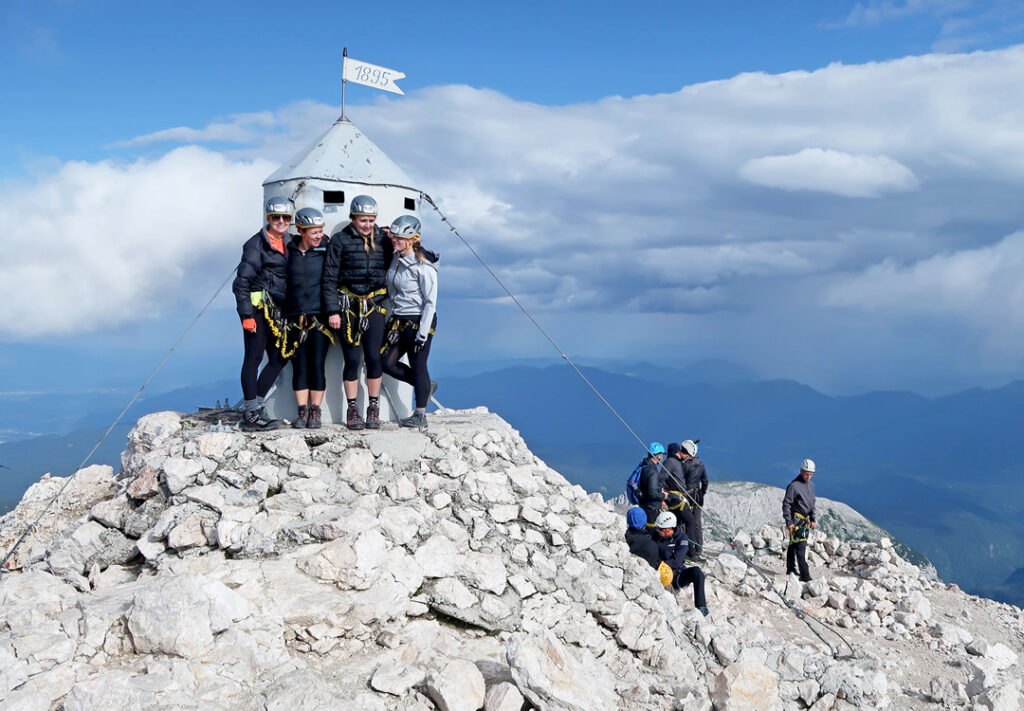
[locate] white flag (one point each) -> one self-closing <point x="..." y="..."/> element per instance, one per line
<point x="372" y="75"/>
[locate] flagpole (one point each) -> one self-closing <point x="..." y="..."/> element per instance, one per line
<point x="344" y="56"/>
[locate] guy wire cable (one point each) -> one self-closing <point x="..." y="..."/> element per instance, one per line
<point x="31" y="526"/>
<point x="711" y="518"/>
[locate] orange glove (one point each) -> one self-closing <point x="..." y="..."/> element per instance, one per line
<point x="249" y="324"/>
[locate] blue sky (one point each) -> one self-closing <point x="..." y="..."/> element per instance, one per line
<point x="828" y="189"/>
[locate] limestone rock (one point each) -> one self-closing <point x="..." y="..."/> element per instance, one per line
<point x="457" y="687"/>
<point x="746" y="686"/>
<point x="503" y="697"/>
<point x="396" y="679"/>
<point x="551" y="677"/>
<point x="290" y="447"/>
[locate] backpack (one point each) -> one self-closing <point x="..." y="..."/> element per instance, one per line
<point x="633" y="484"/>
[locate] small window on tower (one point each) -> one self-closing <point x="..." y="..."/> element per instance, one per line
<point x="333" y="200"/>
<point x="410" y="204"/>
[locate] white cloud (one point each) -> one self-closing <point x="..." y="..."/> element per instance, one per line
<point x="980" y="286"/>
<point x="877" y="12"/>
<point x="107" y="243"/>
<point x="828" y="171"/>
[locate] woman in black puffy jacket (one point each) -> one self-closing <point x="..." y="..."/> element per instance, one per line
<point x="259" y="289"/>
<point x="354" y="289"/>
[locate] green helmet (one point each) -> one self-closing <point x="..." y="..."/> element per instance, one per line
<point x="309" y="217"/>
<point x="363" y="205"/>
<point x="406" y="227"/>
<point x="277" y="205"/>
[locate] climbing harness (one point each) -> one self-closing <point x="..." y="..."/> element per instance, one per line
<point x="800" y="532"/>
<point x="281" y="326"/>
<point x="5" y="564"/>
<point x="302" y="325"/>
<point x="359" y="314"/>
<point x="394" y="329"/>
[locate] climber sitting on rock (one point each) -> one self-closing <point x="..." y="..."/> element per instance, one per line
<point x="798" y="512"/>
<point x="665" y="551"/>
<point x="672" y="549"/>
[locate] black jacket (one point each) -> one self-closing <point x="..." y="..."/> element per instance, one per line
<point x="650" y="484"/>
<point x="642" y="544"/>
<point x="304" y="272"/>
<point x="348" y="264"/>
<point x="695" y="477"/>
<point x="672" y="474"/>
<point x="672" y="551"/>
<point x="262" y="268"/>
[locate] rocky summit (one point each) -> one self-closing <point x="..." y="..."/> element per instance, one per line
<point x="450" y="570"/>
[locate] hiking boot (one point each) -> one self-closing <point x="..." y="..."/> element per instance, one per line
<point x="300" y="419"/>
<point x="703" y="610"/>
<point x="373" y="416"/>
<point x="416" y="419"/>
<point x="313" y="422"/>
<point x="258" y="420"/>
<point x="352" y="420"/>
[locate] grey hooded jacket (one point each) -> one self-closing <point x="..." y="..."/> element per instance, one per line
<point x="412" y="288"/>
<point x="799" y="499"/>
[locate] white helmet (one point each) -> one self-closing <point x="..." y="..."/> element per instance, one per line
<point x="665" y="520"/>
<point x="690" y="447"/>
<point x="807" y="465"/>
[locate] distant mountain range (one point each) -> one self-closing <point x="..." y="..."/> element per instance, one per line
<point x="942" y="474"/>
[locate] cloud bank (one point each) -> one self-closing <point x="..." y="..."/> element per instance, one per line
<point x="757" y="214"/>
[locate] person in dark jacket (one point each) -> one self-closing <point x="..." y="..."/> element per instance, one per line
<point x="354" y="290"/>
<point x="638" y="537"/>
<point x="259" y="288"/>
<point x="798" y="513"/>
<point x="672" y="480"/>
<point x="308" y="337"/>
<point x="412" y="293"/>
<point x="652" y="493"/>
<point x="673" y="548"/>
<point x="695" y="479"/>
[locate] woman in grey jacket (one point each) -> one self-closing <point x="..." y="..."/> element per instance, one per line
<point x="412" y="289"/>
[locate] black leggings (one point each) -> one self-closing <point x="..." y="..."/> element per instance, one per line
<point x="256" y="344"/>
<point x="308" y="362"/>
<point x="369" y="348"/>
<point x="416" y="372"/>
<point x="688" y="576"/>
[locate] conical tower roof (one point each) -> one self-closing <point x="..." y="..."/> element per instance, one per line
<point x="344" y="154"/>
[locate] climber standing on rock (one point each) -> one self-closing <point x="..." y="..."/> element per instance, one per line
<point x="798" y="513"/>
<point x="695" y="479"/>
<point x="259" y="289"/>
<point x="651" y="490"/>
<point x="354" y="292"/>
<point x="412" y="290"/>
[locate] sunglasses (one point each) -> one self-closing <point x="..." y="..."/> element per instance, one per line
<point x="286" y="218"/>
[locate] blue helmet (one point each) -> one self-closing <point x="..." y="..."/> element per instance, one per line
<point x="636" y="518"/>
<point x="656" y="448"/>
